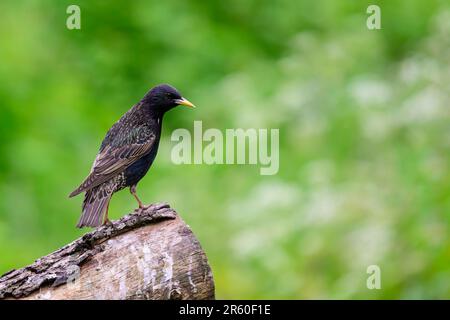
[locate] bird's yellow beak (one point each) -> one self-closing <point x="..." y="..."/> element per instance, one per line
<point x="185" y="102"/>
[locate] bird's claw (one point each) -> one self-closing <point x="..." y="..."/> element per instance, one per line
<point x="142" y="208"/>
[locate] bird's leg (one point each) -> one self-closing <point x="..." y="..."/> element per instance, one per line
<point x="106" y="220"/>
<point x="133" y="192"/>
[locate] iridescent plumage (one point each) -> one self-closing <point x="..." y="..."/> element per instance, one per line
<point x="126" y="153"/>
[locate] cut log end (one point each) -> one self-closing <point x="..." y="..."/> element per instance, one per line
<point x="150" y="254"/>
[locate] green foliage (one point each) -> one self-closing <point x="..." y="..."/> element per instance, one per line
<point x="364" y="138"/>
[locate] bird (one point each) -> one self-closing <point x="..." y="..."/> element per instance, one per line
<point x="126" y="154"/>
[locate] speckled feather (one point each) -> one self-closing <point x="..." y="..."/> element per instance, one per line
<point x="126" y="153"/>
<point x="128" y="140"/>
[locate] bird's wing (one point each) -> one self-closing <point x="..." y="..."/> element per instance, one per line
<point x="115" y="158"/>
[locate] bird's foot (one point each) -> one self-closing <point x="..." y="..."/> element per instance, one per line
<point x="107" y="222"/>
<point x="142" y="208"/>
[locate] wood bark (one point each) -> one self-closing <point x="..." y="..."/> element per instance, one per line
<point x="148" y="254"/>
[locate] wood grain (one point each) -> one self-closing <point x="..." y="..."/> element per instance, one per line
<point x="149" y="254"/>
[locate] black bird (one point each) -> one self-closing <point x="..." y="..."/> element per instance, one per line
<point x="126" y="153"/>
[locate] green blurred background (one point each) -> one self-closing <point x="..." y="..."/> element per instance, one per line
<point x="364" y="135"/>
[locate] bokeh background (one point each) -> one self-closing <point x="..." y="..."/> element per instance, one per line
<point x="364" y="135"/>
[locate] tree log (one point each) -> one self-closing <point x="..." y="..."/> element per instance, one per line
<point x="149" y="254"/>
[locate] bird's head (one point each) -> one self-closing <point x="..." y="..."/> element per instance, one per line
<point x="163" y="97"/>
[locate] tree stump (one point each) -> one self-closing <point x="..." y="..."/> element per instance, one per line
<point x="148" y="254"/>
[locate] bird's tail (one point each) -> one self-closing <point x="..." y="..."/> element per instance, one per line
<point x="95" y="204"/>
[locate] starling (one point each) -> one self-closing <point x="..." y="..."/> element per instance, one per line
<point x="126" y="153"/>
